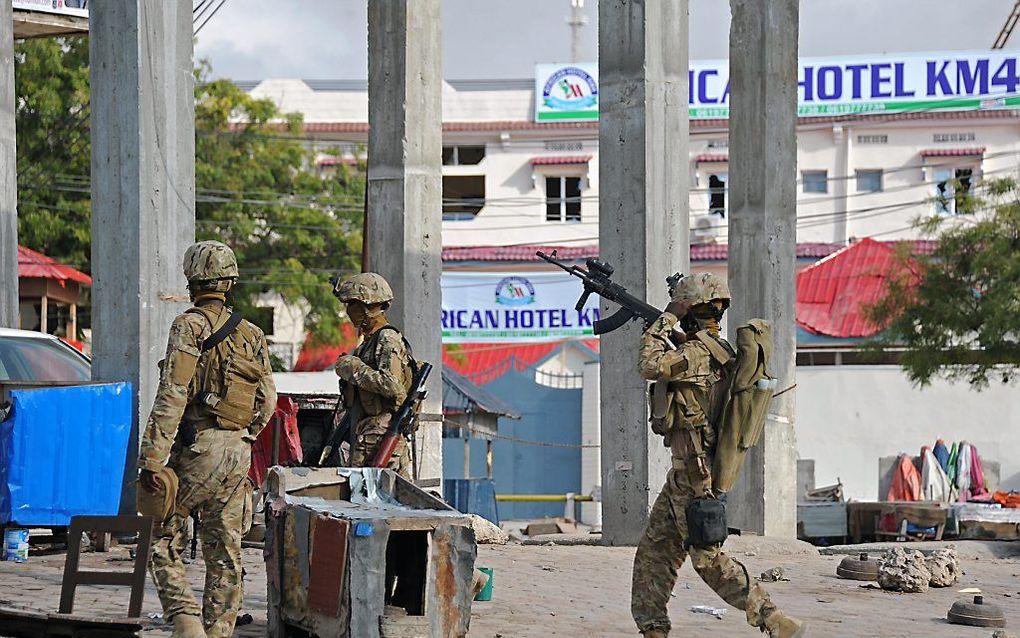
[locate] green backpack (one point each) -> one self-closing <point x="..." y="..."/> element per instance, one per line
<point x="751" y="387"/>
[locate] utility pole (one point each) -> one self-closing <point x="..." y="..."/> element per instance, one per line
<point x="9" y="312"/>
<point x="576" y="21"/>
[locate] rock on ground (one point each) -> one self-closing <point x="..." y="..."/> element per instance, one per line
<point x="486" y="533"/>
<point x="944" y="567"/>
<point x="903" y="571"/>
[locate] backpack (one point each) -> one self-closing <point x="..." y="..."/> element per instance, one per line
<point x="749" y="394"/>
<point x="233" y="372"/>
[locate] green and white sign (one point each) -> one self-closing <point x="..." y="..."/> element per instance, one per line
<point x="566" y="93"/>
<point x="954" y="80"/>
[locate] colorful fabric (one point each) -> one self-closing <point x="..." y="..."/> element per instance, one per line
<point x="1007" y="499"/>
<point x="963" y="467"/>
<point x="954" y="454"/>
<point x="941" y="453"/>
<point x="934" y="482"/>
<point x="906" y="483"/>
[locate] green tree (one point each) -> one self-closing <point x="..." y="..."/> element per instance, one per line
<point x="956" y="312"/>
<point x="257" y="186"/>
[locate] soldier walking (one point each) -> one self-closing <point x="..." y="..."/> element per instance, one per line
<point x="215" y="395"/>
<point x="691" y="398"/>
<point x="378" y="374"/>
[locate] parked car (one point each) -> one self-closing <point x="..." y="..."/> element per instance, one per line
<point x="28" y="358"/>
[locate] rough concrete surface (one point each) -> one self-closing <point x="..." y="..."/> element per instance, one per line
<point x="944" y="567"/>
<point x="585" y="591"/>
<point x="903" y="571"/>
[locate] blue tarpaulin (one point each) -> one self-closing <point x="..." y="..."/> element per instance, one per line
<point x="62" y="453"/>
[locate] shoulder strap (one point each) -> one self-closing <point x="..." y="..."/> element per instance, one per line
<point x="718" y="351"/>
<point x="217" y="337"/>
<point x="407" y="344"/>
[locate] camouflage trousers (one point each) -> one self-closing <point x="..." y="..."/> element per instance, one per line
<point x="661" y="552"/>
<point x="367" y="438"/>
<point x="213" y="483"/>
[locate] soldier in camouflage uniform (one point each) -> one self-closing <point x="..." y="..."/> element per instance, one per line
<point x="695" y="396"/>
<point x="211" y="404"/>
<point x="378" y="375"/>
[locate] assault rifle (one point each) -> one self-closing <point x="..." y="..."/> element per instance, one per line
<point x="342" y="431"/>
<point x="597" y="278"/>
<point x="402" y="423"/>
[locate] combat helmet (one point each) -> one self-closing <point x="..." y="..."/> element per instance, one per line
<point x="209" y="261"/>
<point x="367" y="287"/>
<point x="702" y="288"/>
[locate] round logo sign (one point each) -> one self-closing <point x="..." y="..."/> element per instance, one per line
<point x="515" y="291"/>
<point x="570" y="89"/>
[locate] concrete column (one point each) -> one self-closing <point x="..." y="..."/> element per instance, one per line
<point x="841" y="183"/>
<point x="763" y="238"/>
<point x="9" y="314"/>
<point x="143" y="189"/>
<point x="643" y="230"/>
<point x="405" y="186"/>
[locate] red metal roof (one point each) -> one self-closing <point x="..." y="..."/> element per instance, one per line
<point x="953" y="152"/>
<point x="707" y="158"/>
<point x="527" y="125"/>
<point x="549" y="160"/>
<point x="317" y="358"/>
<point x="35" y="265"/>
<point x="833" y="294"/>
<point x="699" y="252"/>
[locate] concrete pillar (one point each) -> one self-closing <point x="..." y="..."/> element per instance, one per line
<point x="643" y="230"/>
<point x="841" y="183"/>
<point x="405" y="186"/>
<point x="143" y="189"/>
<point x="763" y="239"/>
<point x="9" y="314"/>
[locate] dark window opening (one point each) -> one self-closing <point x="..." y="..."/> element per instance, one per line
<point x="952" y="190"/>
<point x="463" y="155"/>
<point x="717" y="194"/>
<point x="263" y="318"/>
<point x="563" y="199"/>
<point x="407" y="554"/>
<point x="463" y="196"/>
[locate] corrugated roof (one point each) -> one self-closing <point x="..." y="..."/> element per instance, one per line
<point x="953" y="152"/>
<point x="833" y="295"/>
<point x="518" y="125"/>
<point x="35" y="265"/>
<point x="551" y="160"/>
<point x="699" y="252"/>
<point x="707" y="158"/>
<point x="461" y="395"/>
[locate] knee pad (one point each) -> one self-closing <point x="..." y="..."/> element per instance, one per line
<point x="706" y="522"/>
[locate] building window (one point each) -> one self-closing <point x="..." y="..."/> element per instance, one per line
<point x="463" y="196"/>
<point x="869" y="181"/>
<point x="872" y="139"/>
<point x="717" y="194"/>
<point x="263" y="318"/>
<point x="563" y="199"/>
<point x="463" y="155"/>
<point x="815" y="181"/>
<point x="952" y="189"/>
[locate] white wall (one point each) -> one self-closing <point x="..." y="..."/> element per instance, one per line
<point x="849" y="416"/>
<point x="591" y="433"/>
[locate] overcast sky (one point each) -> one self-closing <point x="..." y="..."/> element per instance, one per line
<point x="326" y="39"/>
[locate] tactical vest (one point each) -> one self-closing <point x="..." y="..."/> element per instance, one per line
<point x="228" y="374"/>
<point x="373" y="404"/>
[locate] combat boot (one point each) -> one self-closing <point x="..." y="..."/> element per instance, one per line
<point x="186" y="626"/>
<point x="655" y="633"/>
<point x="779" y="625"/>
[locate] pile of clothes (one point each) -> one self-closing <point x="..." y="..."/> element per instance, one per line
<point x="947" y="474"/>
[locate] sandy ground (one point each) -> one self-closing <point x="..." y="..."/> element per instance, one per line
<point x="583" y="591"/>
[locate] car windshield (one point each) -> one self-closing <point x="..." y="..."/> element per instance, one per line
<point x="34" y="359"/>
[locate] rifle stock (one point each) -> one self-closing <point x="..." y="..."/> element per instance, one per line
<point x="404" y="418"/>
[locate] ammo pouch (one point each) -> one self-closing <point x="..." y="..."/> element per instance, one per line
<point x="236" y="408"/>
<point x="660" y="403"/>
<point x="706" y="522"/>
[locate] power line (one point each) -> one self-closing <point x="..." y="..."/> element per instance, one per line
<point x="211" y="16"/>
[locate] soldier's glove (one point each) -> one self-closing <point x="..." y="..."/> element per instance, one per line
<point x="347" y="365"/>
<point x="679" y="307"/>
